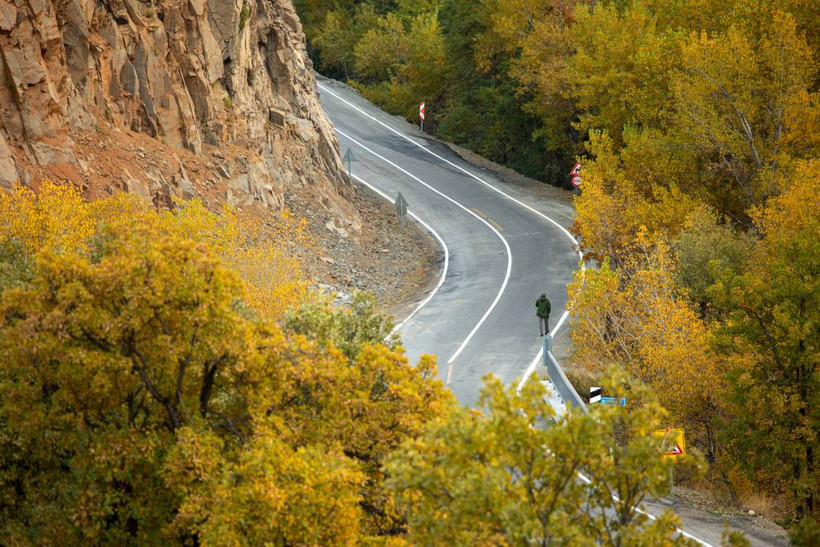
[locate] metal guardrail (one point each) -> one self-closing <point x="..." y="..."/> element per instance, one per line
<point x="569" y="395"/>
<point x="560" y="380"/>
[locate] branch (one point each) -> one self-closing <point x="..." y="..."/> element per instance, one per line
<point x="766" y="332"/>
<point x="141" y="367"/>
<point x="210" y="368"/>
<point x="231" y="426"/>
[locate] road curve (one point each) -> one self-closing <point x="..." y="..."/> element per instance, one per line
<point x="506" y="245"/>
<point x="502" y="244"/>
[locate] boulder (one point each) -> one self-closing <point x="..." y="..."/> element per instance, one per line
<point x="8" y="167"/>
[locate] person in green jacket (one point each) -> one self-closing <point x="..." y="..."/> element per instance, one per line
<point x="542" y="310"/>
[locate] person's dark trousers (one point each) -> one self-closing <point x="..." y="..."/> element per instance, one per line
<point x="544" y="325"/>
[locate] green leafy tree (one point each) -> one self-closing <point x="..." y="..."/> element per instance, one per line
<point x="706" y="251"/>
<point x="505" y="476"/>
<point x="806" y="533"/>
<point x="483" y="108"/>
<point x="402" y="61"/>
<point x="532" y="40"/>
<point x="383" y="50"/>
<point x="337" y="38"/>
<point x="772" y="336"/>
<point x="347" y="327"/>
<point x="16" y="266"/>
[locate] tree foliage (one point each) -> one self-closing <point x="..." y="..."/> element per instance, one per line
<point x="144" y="400"/>
<point x="736" y="95"/>
<point x="401" y="61"/>
<point x="500" y="477"/>
<point x="643" y="326"/>
<point x="57" y="218"/>
<point x="771" y="336"/>
<point x="104" y="363"/>
<point x="706" y="251"/>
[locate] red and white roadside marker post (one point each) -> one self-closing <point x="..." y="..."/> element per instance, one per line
<point x="421" y="116"/>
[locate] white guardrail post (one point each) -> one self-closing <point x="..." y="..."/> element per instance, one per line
<point x="559" y="379"/>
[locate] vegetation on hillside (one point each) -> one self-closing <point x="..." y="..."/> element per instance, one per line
<point x="697" y="124"/>
<point x="166" y="377"/>
<point x="523" y="82"/>
<point x="148" y="391"/>
<point x="503" y="477"/>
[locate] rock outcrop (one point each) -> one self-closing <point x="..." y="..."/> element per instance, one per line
<point x="165" y="98"/>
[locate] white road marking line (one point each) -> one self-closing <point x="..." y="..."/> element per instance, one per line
<point x="465" y="171"/>
<point x="471" y="213"/>
<point x="435" y="234"/>
<point x="534" y="364"/>
<point x="564" y="316"/>
<point x="650" y="515"/>
<point x="529" y="371"/>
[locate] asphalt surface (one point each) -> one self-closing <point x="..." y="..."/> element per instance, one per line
<point x="502" y="256"/>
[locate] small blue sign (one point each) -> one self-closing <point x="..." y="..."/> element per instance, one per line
<point x="613" y="401"/>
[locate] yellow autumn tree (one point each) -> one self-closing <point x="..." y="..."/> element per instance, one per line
<point x="141" y="402"/>
<point x="267" y="255"/>
<point x="55" y="217"/>
<point x="619" y="72"/>
<point x="497" y="476"/>
<point x="361" y="397"/>
<point x="640" y="323"/>
<point x="103" y="363"/>
<point x="620" y="200"/>
<point x="276" y="494"/>
<point x="739" y="95"/>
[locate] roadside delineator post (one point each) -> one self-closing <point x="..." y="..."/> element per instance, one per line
<point x="349" y="157"/>
<point x="595" y="394"/>
<point x="401" y="208"/>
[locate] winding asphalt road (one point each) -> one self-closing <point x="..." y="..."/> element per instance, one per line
<point x="504" y="246"/>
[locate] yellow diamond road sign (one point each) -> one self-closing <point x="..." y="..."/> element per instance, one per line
<point x="672" y="442"/>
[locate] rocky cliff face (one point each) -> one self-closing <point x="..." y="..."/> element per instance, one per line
<point x="165" y="98"/>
